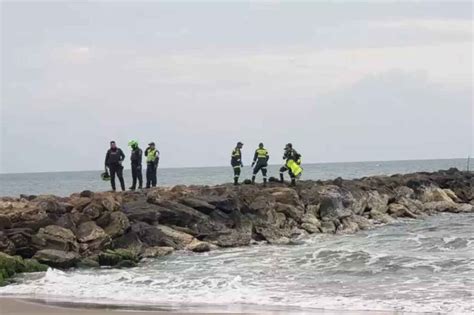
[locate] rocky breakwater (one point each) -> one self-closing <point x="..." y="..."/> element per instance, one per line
<point x="118" y="229"/>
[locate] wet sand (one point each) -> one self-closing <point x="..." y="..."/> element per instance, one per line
<point x="16" y="306"/>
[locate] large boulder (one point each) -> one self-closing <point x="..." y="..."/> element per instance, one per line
<point x="152" y="236"/>
<point x="57" y="258"/>
<point x="285" y="196"/>
<point x="141" y="211"/>
<point x="181" y="239"/>
<point x="310" y="223"/>
<point x="290" y="211"/>
<point x="55" y="237"/>
<point x="21" y="238"/>
<point x="92" y="237"/>
<point x="6" y="245"/>
<point x="118" y="224"/>
<point x="434" y="194"/>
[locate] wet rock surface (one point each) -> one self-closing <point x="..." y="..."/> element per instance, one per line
<point x="118" y="229"/>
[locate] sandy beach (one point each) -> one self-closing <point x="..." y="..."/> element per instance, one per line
<point x="17" y="306"/>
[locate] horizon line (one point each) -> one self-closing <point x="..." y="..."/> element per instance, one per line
<point x="216" y="166"/>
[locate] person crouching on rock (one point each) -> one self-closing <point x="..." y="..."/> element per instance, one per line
<point x="113" y="161"/>
<point x="136" y="161"/>
<point x="292" y="164"/>
<point x="152" y="159"/>
<point x="236" y="161"/>
<point x="260" y="158"/>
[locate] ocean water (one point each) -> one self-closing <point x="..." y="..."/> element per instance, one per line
<point x="410" y="266"/>
<point x="65" y="183"/>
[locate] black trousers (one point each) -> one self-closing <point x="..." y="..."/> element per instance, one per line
<point x="150" y="175"/>
<point x="260" y="166"/>
<point x="283" y="169"/>
<point x="137" y="175"/>
<point x="116" y="169"/>
<point x="237" y="169"/>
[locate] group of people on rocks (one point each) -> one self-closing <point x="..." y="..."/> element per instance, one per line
<point x="260" y="162"/>
<point x="114" y="159"/>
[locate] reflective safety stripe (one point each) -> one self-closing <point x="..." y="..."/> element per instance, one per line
<point x="151" y="155"/>
<point x="236" y="166"/>
<point x="262" y="153"/>
<point x="264" y="168"/>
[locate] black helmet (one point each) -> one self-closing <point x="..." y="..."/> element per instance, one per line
<point x="239" y="143"/>
<point x="260" y="145"/>
<point x="105" y="176"/>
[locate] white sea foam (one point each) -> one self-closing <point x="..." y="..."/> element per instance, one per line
<point x="354" y="272"/>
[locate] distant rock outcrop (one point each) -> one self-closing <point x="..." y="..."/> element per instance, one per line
<point x="118" y="229"/>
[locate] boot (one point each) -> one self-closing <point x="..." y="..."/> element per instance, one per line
<point x="293" y="182"/>
<point x="264" y="182"/>
<point x="281" y="178"/>
<point x="253" y="179"/>
<point x="236" y="181"/>
<point x="131" y="188"/>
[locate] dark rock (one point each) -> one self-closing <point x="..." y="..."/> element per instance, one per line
<point x="57" y="258"/>
<point x="157" y="251"/>
<point x="92" y="237"/>
<point x="93" y="211"/>
<point x="130" y="240"/>
<point x="141" y="211"/>
<point x="66" y="221"/>
<point x="199" y="205"/>
<point x="88" y="263"/>
<point x="5" y="222"/>
<point x="86" y="193"/>
<point x="117" y="256"/>
<point x="328" y="227"/>
<point x="118" y="224"/>
<point x="6" y="245"/>
<point x="55" y="237"/>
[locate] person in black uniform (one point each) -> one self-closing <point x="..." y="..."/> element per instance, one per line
<point x="289" y="154"/>
<point x="136" y="160"/>
<point x="236" y="161"/>
<point x="113" y="161"/>
<point x="152" y="156"/>
<point x="260" y="160"/>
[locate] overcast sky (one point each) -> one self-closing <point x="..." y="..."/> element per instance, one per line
<point x="343" y="81"/>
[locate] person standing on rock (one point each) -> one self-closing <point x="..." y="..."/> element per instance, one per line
<point x="260" y="161"/>
<point x="113" y="161"/>
<point x="236" y="161"/>
<point x="292" y="164"/>
<point x="152" y="159"/>
<point x="136" y="160"/>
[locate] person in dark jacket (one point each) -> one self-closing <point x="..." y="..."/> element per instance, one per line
<point x="113" y="161"/>
<point x="292" y="164"/>
<point x="236" y="161"/>
<point x="260" y="161"/>
<point x="136" y="161"/>
<point x="152" y="156"/>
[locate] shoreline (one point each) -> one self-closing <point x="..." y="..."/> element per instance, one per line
<point x="26" y="306"/>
